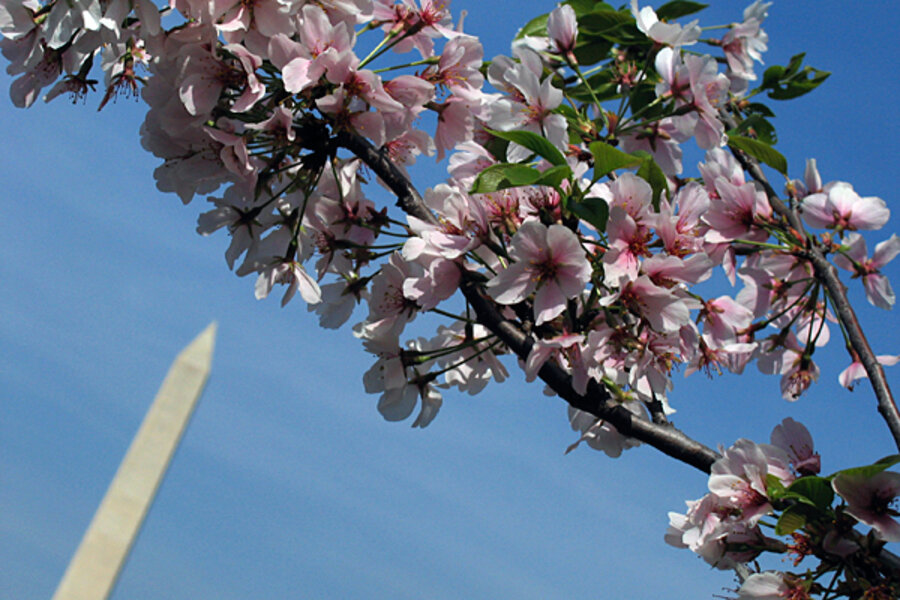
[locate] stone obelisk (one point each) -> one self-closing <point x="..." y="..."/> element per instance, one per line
<point x="96" y="565"/>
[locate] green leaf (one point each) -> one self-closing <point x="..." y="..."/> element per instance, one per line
<point x="502" y="176"/>
<point x="789" y="82"/>
<point x="583" y="7"/>
<point x="805" y="82"/>
<point x="760" y="151"/>
<point x="792" y="519"/>
<point x="600" y="21"/>
<point x="509" y="175"/>
<point x="870" y="470"/>
<point x="759" y="127"/>
<point x="817" y="490"/>
<point x="888" y="461"/>
<point x="608" y="159"/>
<point x="653" y="174"/>
<point x="760" y="108"/>
<point x="593" y="210"/>
<point x="537" y="27"/>
<point x="534" y="142"/>
<point x="567" y="111"/>
<point x="554" y="176"/>
<point x="603" y="85"/>
<point x="775" y="490"/>
<point x="678" y="8"/>
<point x="591" y="49"/>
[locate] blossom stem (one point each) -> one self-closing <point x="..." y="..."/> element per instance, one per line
<point x="574" y="66"/>
<point x="762" y="245"/>
<point x="389" y="41"/>
<point x="467" y="359"/>
<point x="428" y="61"/>
<point x="450" y="315"/>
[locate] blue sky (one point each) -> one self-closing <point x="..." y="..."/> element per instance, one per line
<point x="288" y="483"/>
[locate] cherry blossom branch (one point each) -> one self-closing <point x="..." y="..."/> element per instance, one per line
<point x="597" y="401"/>
<point x="827" y="274"/>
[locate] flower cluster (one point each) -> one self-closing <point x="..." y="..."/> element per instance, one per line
<point x="261" y="103"/>
<point x="781" y="479"/>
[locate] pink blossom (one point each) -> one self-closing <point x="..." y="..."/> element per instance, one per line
<point x="630" y="192"/>
<point x="431" y="20"/>
<point x="737" y="212"/>
<point x="724" y="319"/>
<point x="628" y="243"/>
<point x="770" y="586"/>
<point x="205" y="76"/>
<point x="870" y="499"/>
<point x="662" y="139"/>
<point x="339" y="299"/>
<point x="669" y="271"/>
<point x="389" y="309"/>
<point x="602" y="435"/>
<point x="456" y="124"/>
<point x="458" y="69"/>
<point x="795" y="440"/>
<point x="670" y="34"/>
<point x="812" y="181"/>
<point x="841" y="208"/>
<point x="744" y="43"/>
<point x="710" y="91"/>
<point x="480" y="363"/>
<point x="548" y="260"/>
<point x="682" y="233"/>
<point x="562" y="28"/>
<point x="878" y="289"/>
<point x="712" y="529"/>
<point x="856" y="370"/>
<point x="739" y="477"/>
<point x="665" y="310"/>
<point x="265" y="17"/>
<point x="293" y="274"/>
<point x="565" y="345"/>
<point x="720" y="163"/>
<point x="529" y="105"/>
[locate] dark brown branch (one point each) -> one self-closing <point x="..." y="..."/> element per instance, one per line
<point x="828" y="275"/>
<point x="596" y="401"/>
<point x="408" y="198"/>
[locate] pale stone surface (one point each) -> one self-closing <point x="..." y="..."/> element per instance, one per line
<point x="96" y="565"/>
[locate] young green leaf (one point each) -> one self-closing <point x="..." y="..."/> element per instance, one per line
<point x="601" y="21"/>
<point x="502" y="176"/>
<point x="608" y="159"/>
<point x="593" y="210"/>
<point x="792" y="519"/>
<point x="537" y="27"/>
<point x="760" y="151"/>
<point x="870" y="470"/>
<point x="653" y="174"/>
<point x="774" y="488"/>
<point x="554" y="176"/>
<point x="789" y="82"/>
<point x="758" y="126"/>
<point x="534" y="142"/>
<point x="817" y="490"/>
<point x="677" y="9"/>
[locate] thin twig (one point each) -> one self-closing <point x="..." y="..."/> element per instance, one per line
<point x="828" y="275"/>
